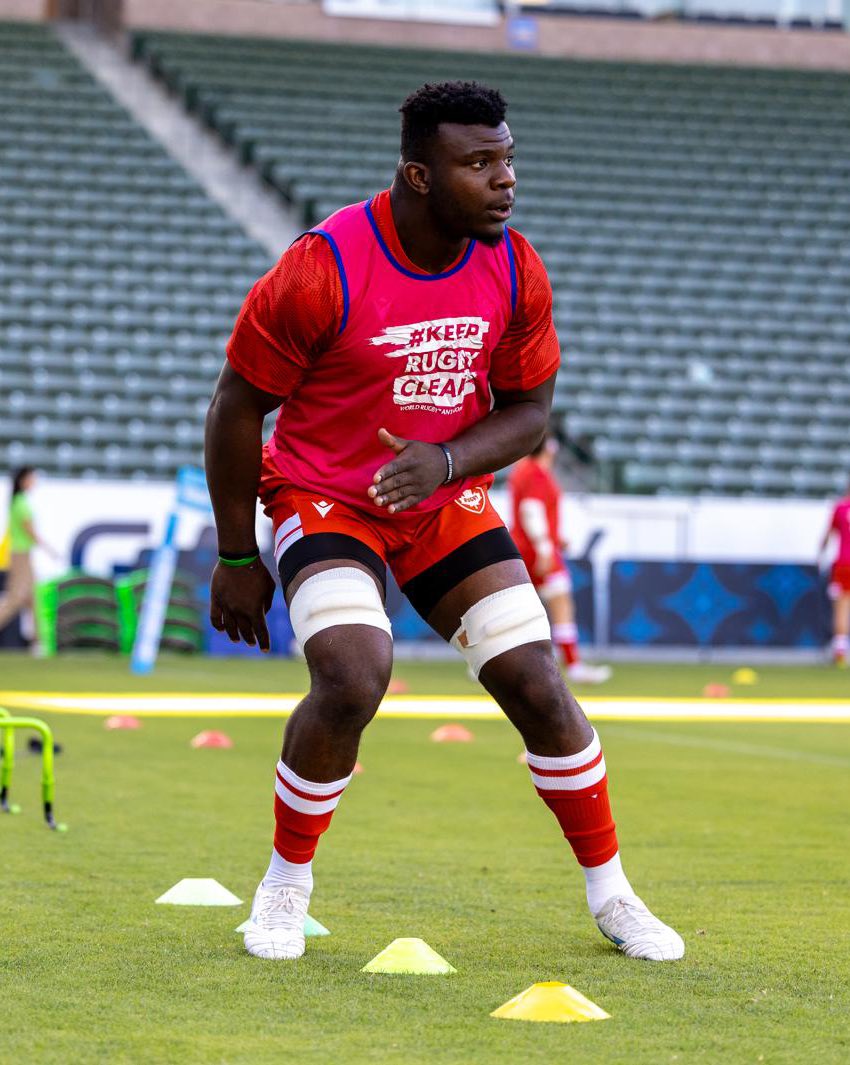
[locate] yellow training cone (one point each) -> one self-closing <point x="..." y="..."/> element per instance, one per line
<point x="408" y="956"/>
<point x="550" y="1001"/>
<point x="745" y="675"/>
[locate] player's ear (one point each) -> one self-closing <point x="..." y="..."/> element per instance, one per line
<point x="417" y="176"/>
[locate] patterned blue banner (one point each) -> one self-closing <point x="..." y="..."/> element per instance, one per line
<point x="581" y="571"/>
<point x="714" y="604"/>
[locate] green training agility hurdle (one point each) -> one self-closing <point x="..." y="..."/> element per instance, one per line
<point x="8" y="725"/>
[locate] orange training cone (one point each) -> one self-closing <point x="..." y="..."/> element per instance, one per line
<point x="212" y="739"/>
<point x="118" y="721"/>
<point x="452" y="734"/>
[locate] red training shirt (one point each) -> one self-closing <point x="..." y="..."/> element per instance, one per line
<point x="294" y="311"/>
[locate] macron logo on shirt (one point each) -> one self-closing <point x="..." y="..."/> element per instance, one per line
<point x="323" y="508"/>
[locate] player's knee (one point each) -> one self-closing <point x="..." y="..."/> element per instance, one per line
<point x="350" y="666"/>
<point x="528" y="676"/>
<point x="511" y="618"/>
<point x="349" y="688"/>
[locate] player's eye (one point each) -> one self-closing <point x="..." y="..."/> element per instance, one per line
<point x="479" y="164"/>
<point x="509" y="160"/>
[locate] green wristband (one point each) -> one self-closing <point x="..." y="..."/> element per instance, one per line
<point x="237" y="561"/>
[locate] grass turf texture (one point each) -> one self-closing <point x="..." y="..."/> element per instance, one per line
<point x="109" y="673"/>
<point x="736" y="834"/>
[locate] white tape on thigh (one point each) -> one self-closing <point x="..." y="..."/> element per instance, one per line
<point x="500" y="622"/>
<point x="340" y="596"/>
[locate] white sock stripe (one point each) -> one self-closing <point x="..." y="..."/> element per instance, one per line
<point x="565" y="633"/>
<point x="304" y="806"/>
<point x="576" y="783"/>
<point x="312" y="787"/>
<point x="569" y="761"/>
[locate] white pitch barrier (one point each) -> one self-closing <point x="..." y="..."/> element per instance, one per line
<point x="598" y="708"/>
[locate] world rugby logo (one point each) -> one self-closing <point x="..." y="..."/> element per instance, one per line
<point x="472" y="499"/>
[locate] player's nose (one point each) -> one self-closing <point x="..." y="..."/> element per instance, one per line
<point x="504" y="177"/>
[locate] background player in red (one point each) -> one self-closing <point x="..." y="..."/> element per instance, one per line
<point x="839" y="579"/>
<point x="535" y="527"/>
<point x="409" y="345"/>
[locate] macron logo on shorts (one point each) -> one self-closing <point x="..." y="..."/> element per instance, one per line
<point x="472" y="499"/>
<point x="323" y="508"/>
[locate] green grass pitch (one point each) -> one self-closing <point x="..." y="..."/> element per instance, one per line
<point x="738" y="834"/>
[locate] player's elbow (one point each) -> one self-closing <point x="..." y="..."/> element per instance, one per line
<point x="536" y="424"/>
<point x="215" y="413"/>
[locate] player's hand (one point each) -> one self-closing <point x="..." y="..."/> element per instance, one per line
<point x="415" y="473"/>
<point x="543" y="565"/>
<point x="240" y="598"/>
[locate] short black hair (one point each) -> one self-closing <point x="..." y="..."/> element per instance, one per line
<point x="18" y="478"/>
<point x="466" y="102"/>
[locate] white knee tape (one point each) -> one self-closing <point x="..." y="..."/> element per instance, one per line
<point x="500" y="622"/>
<point x="340" y="596"/>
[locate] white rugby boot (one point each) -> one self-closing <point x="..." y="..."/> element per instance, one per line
<point x="625" y="920"/>
<point x="277" y="922"/>
<point x="585" y="673"/>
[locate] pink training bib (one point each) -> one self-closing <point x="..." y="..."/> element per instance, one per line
<point x="412" y="355"/>
<point x="841" y="524"/>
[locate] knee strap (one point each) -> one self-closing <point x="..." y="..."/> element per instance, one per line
<point x="500" y="622"/>
<point x="340" y="596"/>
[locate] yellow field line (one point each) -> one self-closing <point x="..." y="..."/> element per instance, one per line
<point x="9" y="697"/>
<point x="618" y="708"/>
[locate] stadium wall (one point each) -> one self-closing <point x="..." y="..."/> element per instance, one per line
<point x="582" y="37"/>
<point x="694" y="573"/>
<point x="116" y="520"/>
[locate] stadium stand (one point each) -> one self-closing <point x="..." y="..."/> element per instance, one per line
<point x="119" y="277"/>
<point x="694" y="221"/>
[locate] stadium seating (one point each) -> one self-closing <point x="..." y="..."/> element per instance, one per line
<point x="119" y="277"/>
<point x="694" y="221"/>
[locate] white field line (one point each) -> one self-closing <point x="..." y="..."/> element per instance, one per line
<point x="745" y="750"/>
<point x="167" y="704"/>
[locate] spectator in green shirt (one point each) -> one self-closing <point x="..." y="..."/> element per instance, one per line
<point x="20" y="580"/>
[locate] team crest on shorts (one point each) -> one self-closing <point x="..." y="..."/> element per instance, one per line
<point x="472" y="499"/>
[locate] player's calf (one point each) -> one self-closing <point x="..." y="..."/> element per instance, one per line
<point x="527" y="684"/>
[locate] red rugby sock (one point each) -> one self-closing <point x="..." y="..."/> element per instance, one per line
<point x="575" y="788"/>
<point x="302" y="810"/>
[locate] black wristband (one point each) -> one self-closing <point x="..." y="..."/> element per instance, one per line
<point x="450" y="465"/>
